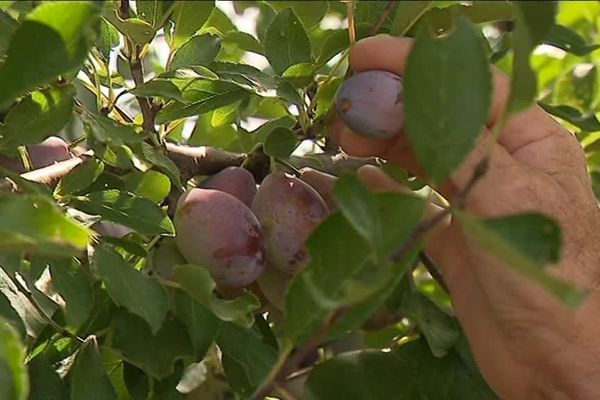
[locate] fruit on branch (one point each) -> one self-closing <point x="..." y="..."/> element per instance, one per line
<point x="236" y="181"/>
<point x="219" y="232"/>
<point x="51" y="150"/>
<point x="288" y="210"/>
<point x="323" y="183"/>
<point x="370" y="103"/>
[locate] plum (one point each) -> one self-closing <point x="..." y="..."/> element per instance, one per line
<point x="370" y="103"/>
<point x="219" y="232"/>
<point x="323" y="183"/>
<point x="236" y="181"/>
<point x="288" y="210"/>
<point x="51" y="150"/>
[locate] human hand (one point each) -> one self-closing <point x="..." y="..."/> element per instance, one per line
<point x="526" y="343"/>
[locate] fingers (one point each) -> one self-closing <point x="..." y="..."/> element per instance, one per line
<point x="525" y="129"/>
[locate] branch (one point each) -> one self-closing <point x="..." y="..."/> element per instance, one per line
<point x="384" y="15"/>
<point x="333" y="164"/>
<point x="201" y="160"/>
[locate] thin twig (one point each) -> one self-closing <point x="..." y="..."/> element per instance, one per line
<point x="433" y="270"/>
<point x="384" y="15"/>
<point x="296" y="358"/>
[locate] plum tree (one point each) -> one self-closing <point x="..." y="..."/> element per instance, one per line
<point x="322" y="182"/>
<point x="236" y="181"/>
<point x="51" y="150"/>
<point x="288" y="210"/>
<point x="370" y="103"/>
<point x="217" y="231"/>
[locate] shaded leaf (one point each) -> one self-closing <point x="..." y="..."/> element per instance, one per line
<point x="155" y="352"/>
<point x="14" y="382"/>
<point x="80" y="178"/>
<point x="38" y="116"/>
<point x="280" y="143"/>
<point x="533" y="23"/>
<point x="407" y="14"/>
<point x="504" y="238"/>
<point x="71" y="282"/>
<point x="45" y="384"/>
<point x="88" y="379"/>
<point x="202" y="325"/>
<point x="585" y="122"/>
<point x="407" y="372"/>
<point x="127" y="209"/>
<point x="130" y="288"/>
<point x="568" y="40"/>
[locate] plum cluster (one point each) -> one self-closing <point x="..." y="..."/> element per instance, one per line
<point x="242" y="234"/>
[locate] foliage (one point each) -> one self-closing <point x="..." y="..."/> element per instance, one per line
<point x="96" y="302"/>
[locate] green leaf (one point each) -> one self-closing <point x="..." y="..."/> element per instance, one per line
<point x="439" y="328"/>
<point x="53" y="39"/>
<point x="45" y="384"/>
<point x="159" y="87"/>
<point x="198" y="50"/>
<point x="188" y="17"/>
<point x="407" y="14"/>
<point x="88" y="379"/>
<point x="80" y="178"/>
<point x="202" y="100"/>
<point x="38" y="116"/>
<point x="300" y="75"/>
<point x="137" y="30"/>
<point x="150" y="184"/>
<point x="130" y="288"/>
<point x="568" y="40"/>
<point x="197" y="281"/>
<point x="585" y="122"/>
<point x="155" y="352"/>
<point x="261" y="134"/>
<point x="325" y="95"/>
<point x="153" y="11"/>
<point x="202" y="325"/>
<point x="247" y="348"/>
<point x="287" y="42"/>
<point x="7" y="27"/>
<point x="10" y="315"/>
<point x="310" y="13"/>
<point x="14" y="382"/>
<point x="280" y="143"/>
<point x="109" y="131"/>
<point x="245" y="76"/>
<point x="534" y="20"/>
<point x="71" y="282"/>
<point x="32" y="223"/>
<point x="244" y="41"/>
<point x="447" y="95"/>
<point x="526" y="242"/>
<point x="162" y="162"/>
<point x="127" y="209"/>
<point x="359" y="207"/>
<point x="407" y="372"/>
<point x="345" y="273"/>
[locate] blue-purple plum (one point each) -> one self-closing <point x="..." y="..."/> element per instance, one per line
<point x="288" y="210"/>
<point x="371" y="104"/>
<point x="217" y="231"/>
<point x="236" y="181"/>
